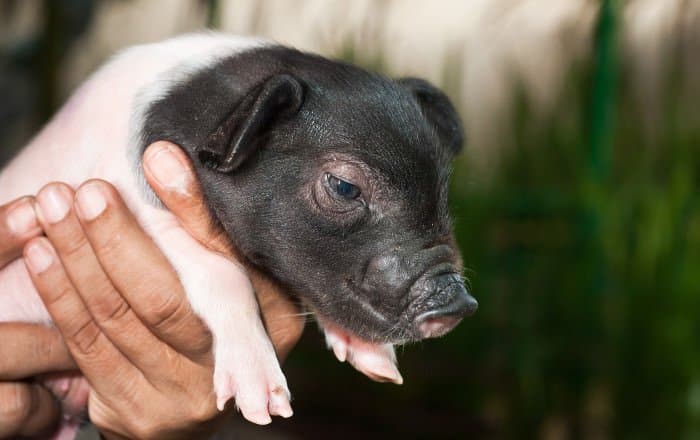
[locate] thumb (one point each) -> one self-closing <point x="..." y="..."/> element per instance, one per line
<point x="170" y="173"/>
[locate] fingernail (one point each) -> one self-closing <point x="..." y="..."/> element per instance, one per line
<point x="38" y="256"/>
<point x="165" y="167"/>
<point x="53" y="203"/>
<point x="90" y="201"/>
<point x="21" y="219"/>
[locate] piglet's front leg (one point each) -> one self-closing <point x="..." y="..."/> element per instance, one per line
<point x="246" y="367"/>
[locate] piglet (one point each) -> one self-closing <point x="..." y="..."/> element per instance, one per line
<point x="328" y="179"/>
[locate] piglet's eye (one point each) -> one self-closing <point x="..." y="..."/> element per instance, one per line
<point x="342" y="188"/>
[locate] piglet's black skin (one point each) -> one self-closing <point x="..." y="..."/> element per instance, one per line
<point x="330" y="179"/>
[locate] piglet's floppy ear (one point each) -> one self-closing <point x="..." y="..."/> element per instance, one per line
<point x="439" y="111"/>
<point x="238" y="136"/>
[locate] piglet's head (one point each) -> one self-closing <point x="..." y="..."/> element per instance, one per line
<point x="334" y="181"/>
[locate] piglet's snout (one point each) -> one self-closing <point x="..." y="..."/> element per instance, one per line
<point x="427" y="280"/>
<point x="450" y="303"/>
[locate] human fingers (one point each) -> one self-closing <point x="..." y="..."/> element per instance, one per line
<point x="109" y="309"/>
<point x="92" y="351"/>
<point x="27" y="410"/>
<point x="31" y="349"/>
<point x="17" y="225"/>
<point x="124" y="401"/>
<point x="138" y="269"/>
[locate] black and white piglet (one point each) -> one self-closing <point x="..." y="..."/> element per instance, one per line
<point x="328" y="179"/>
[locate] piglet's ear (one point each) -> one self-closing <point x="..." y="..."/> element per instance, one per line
<point x="238" y="137"/>
<point x="439" y="111"/>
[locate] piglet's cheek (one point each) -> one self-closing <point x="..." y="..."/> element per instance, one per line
<point x="376" y="361"/>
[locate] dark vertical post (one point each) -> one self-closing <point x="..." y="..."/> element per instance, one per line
<point x="213" y="14"/>
<point x="603" y="105"/>
<point x="50" y="54"/>
<point x="596" y="191"/>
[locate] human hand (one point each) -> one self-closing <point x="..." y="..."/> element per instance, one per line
<point x="123" y="315"/>
<point x="26" y="408"/>
<point x="178" y="190"/>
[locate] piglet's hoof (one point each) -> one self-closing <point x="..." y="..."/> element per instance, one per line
<point x="259" y="392"/>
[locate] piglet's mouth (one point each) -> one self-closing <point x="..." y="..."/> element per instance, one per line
<point x="376" y="361"/>
<point x="446" y="303"/>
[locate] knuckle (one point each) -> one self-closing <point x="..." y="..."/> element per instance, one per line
<point x="111" y="309"/>
<point x="167" y="313"/>
<point x="85" y="338"/>
<point x="73" y="244"/>
<point x="201" y="349"/>
<point x="61" y="294"/>
<point x="117" y="312"/>
<point x="15" y="405"/>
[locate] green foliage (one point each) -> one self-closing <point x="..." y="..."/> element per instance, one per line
<point x="589" y="282"/>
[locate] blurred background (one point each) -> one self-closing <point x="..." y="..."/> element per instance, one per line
<point x="576" y="200"/>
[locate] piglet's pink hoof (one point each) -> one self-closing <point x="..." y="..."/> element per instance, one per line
<point x="258" y="396"/>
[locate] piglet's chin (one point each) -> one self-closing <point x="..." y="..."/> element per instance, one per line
<point x="376" y="361"/>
